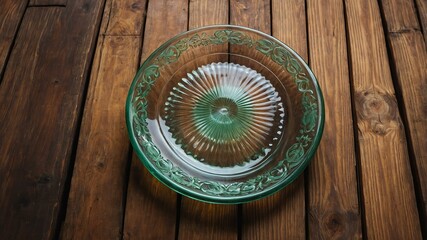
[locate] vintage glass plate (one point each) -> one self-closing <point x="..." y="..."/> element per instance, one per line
<point x="225" y="114"/>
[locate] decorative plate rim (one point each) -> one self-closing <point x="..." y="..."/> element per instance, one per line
<point x="304" y="159"/>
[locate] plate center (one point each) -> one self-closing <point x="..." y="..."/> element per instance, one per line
<point x="223" y="110"/>
<point x="223" y="115"/>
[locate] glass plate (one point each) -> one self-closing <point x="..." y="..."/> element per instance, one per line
<point x="225" y="114"/>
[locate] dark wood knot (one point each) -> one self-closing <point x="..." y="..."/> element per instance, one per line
<point x="136" y="6"/>
<point x="379" y="110"/>
<point x="100" y="165"/>
<point x="44" y="179"/>
<point x="335" y="223"/>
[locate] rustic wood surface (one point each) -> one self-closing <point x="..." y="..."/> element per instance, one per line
<point x="49" y="65"/>
<point x="11" y="14"/>
<point x="387" y="184"/>
<point x="333" y="208"/>
<point x="409" y="55"/>
<point x="421" y="6"/>
<point x="100" y="173"/>
<point x="47" y="3"/>
<point x="67" y="170"/>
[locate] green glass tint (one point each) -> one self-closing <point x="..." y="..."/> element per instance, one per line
<point x="223" y="111"/>
<point x="225" y="114"/>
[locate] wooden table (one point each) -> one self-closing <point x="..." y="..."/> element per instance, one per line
<point x="67" y="169"/>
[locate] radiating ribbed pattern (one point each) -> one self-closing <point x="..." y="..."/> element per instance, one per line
<point x="224" y="114"/>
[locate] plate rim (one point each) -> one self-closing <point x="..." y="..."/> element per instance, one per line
<point x="307" y="157"/>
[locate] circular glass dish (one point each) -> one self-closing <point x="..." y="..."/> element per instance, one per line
<point x="225" y="114"/>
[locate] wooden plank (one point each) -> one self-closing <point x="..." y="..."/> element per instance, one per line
<point x="333" y="208"/>
<point x="126" y="18"/>
<point x="422" y="12"/>
<point x="410" y="61"/>
<point x="251" y="13"/>
<point x="95" y="205"/>
<point x="150" y="204"/>
<point x="281" y="216"/>
<point x="62" y="3"/>
<point x="150" y="207"/>
<point x="400" y="16"/>
<point x="203" y="13"/>
<point x="207" y="221"/>
<point x="289" y="24"/>
<point x="388" y="191"/>
<point x="202" y="220"/>
<point x="11" y="14"/>
<point x="158" y="32"/>
<point x="41" y="95"/>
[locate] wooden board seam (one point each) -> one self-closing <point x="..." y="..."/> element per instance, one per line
<point x="12" y="45"/>
<point x="358" y="167"/>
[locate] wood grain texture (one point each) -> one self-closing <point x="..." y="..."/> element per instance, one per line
<point x="422" y="13"/>
<point x="202" y="220"/>
<point x="410" y="60"/>
<point x="205" y="12"/>
<point x="289" y="24"/>
<point x="48" y="3"/>
<point x="95" y="203"/>
<point x="151" y="206"/>
<point x="126" y="18"/>
<point x="48" y="73"/>
<point x="207" y="221"/>
<point x="11" y="14"/>
<point x="388" y="192"/>
<point x="251" y="13"/>
<point x="333" y="208"/>
<point x="162" y="24"/>
<point x="400" y="16"/>
<point x="281" y="216"/>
